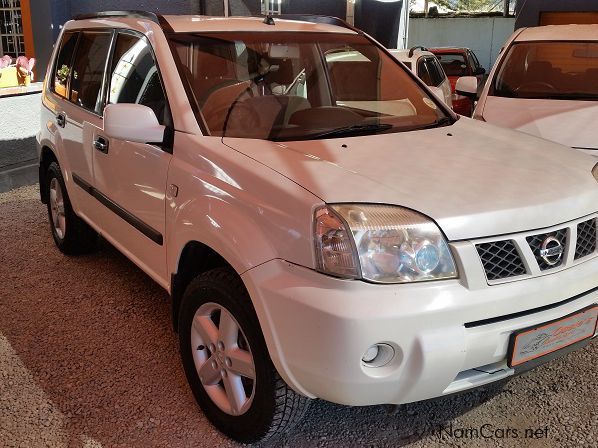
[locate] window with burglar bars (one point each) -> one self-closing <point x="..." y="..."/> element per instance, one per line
<point x="12" y="41"/>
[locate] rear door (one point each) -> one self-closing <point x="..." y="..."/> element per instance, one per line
<point x="81" y="113"/>
<point x="130" y="178"/>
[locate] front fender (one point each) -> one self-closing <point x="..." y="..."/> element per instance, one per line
<point x="238" y="207"/>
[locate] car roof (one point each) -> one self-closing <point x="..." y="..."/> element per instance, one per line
<point x="448" y="49"/>
<point x="256" y="24"/>
<point x="199" y="23"/>
<point x="403" y="55"/>
<point x="558" y="32"/>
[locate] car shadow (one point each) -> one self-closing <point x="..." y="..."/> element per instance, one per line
<point x="18" y="163"/>
<point x="395" y="425"/>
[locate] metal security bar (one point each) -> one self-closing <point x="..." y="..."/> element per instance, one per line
<point x="12" y="41"/>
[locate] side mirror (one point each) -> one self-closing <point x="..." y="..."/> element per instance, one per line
<point x="437" y="91"/>
<point x="467" y="86"/>
<point x="133" y="122"/>
<point x="480" y="71"/>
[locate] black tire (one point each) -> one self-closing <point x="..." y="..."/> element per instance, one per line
<point x="79" y="237"/>
<point x="275" y="408"/>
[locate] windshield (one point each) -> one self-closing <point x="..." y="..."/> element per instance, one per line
<point x="292" y="86"/>
<point x="552" y="70"/>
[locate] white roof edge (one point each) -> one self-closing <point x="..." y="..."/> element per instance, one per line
<point x="558" y="32"/>
<point x="198" y="23"/>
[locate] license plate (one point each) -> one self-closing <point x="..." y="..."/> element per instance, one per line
<point x="534" y="342"/>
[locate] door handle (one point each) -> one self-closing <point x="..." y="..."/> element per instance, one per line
<point x="61" y="120"/>
<point x="101" y="144"/>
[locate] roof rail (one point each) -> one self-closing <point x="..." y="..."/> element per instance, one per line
<point x="314" y="18"/>
<point x="417" y="47"/>
<point x="122" y="14"/>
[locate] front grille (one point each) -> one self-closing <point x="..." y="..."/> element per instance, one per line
<point x="586" y="239"/>
<point x="501" y="259"/>
<point x="537" y="241"/>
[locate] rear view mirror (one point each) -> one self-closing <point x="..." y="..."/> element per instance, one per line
<point x="283" y="51"/>
<point x="133" y="122"/>
<point x="467" y="86"/>
<point x="480" y="71"/>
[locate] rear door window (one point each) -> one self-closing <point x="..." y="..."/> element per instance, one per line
<point x="475" y="64"/>
<point x="62" y="67"/>
<point x="88" y="69"/>
<point x="134" y="76"/>
<point x="430" y="72"/>
<point x="441" y="76"/>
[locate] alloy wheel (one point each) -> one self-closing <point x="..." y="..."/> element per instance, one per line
<point x="223" y="359"/>
<point x="57" y="208"/>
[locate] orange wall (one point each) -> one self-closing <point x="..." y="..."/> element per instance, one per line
<point x="568" y="18"/>
<point x="27" y="29"/>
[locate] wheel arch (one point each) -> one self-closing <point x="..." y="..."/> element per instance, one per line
<point x="194" y="259"/>
<point x="46" y="157"/>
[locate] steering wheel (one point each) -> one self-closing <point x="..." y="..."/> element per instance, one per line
<point x="532" y="84"/>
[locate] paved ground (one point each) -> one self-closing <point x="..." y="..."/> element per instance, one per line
<point x="20" y="90"/>
<point x="19" y="123"/>
<point x="88" y="359"/>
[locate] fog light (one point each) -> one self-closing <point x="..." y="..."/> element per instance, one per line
<point x="378" y="355"/>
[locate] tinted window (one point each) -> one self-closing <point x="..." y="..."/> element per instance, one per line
<point x="555" y="70"/>
<point x="441" y="76"/>
<point x="430" y="72"/>
<point x="134" y="75"/>
<point x="88" y="69"/>
<point x="475" y="64"/>
<point x="62" y="67"/>
<point x="453" y="64"/>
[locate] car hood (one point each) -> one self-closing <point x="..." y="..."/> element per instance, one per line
<point x="570" y="123"/>
<point x="473" y="179"/>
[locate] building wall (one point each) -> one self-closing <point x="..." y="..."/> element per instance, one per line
<point x="48" y="16"/>
<point x="43" y="35"/>
<point x="484" y="35"/>
<point x="162" y="7"/>
<point x="27" y="28"/>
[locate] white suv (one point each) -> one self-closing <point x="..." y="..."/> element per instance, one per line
<point x="429" y="69"/>
<point x="545" y="83"/>
<point x="326" y="227"/>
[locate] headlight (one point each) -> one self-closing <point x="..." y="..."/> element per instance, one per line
<point x="595" y="172"/>
<point x="381" y="243"/>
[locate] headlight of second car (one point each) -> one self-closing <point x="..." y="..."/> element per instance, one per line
<point x="381" y="243"/>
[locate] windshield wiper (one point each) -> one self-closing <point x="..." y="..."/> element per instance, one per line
<point x="355" y="129"/>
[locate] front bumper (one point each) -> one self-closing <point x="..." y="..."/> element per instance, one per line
<point x="317" y="329"/>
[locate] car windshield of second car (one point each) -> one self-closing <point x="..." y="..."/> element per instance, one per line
<point x="299" y="86"/>
<point x="550" y="70"/>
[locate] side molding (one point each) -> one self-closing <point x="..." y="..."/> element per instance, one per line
<point x="148" y="231"/>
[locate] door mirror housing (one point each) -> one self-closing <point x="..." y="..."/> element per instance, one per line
<point x="467" y="86"/>
<point x="480" y="71"/>
<point x="134" y="123"/>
